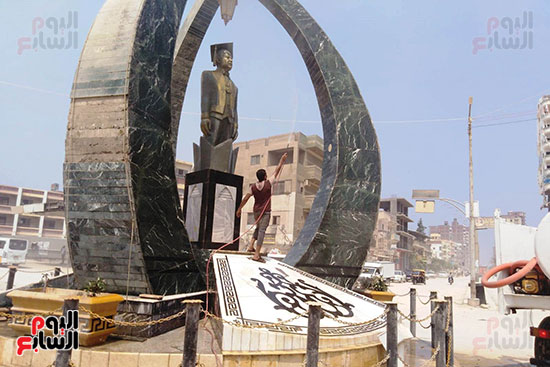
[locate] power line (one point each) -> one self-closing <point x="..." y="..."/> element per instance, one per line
<point x="503" y="123"/>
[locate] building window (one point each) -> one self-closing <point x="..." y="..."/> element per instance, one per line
<point x="49" y="224"/>
<point x="254" y="160"/>
<point x="182" y="172"/>
<point x="26" y="201"/>
<point x="24" y="222"/>
<point x="276" y="219"/>
<point x="4" y="200"/>
<point x="250" y="219"/>
<point x="3" y="220"/>
<point x="281" y="187"/>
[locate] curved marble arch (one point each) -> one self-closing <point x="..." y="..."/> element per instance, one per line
<point x="122" y="206"/>
<point x="336" y="236"/>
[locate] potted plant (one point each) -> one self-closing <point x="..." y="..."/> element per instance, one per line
<point x="375" y="288"/>
<point x="92" y="330"/>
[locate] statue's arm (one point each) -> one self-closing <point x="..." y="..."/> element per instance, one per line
<point x="205" y="103"/>
<point x="236" y="124"/>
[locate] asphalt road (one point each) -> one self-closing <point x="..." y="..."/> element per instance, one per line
<point x="483" y="337"/>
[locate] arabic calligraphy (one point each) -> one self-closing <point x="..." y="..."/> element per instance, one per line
<point x="64" y="330"/>
<point x="293" y="296"/>
<point x="60" y="34"/>
<point x="506" y="34"/>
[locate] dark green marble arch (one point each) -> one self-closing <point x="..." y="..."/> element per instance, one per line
<point x="123" y="212"/>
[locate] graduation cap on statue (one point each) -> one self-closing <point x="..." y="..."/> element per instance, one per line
<point x="220" y="46"/>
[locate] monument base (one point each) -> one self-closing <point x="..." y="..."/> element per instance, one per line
<point x="211" y="201"/>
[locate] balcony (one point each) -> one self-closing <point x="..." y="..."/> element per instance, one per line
<point x="6" y="229"/>
<point x="5" y="209"/>
<point x="53" y="233"/>
<point x="308" y="200"/>
<point x="312" y="172"/>
<point x="9" y="190"/>
<point x="28" y="231"/>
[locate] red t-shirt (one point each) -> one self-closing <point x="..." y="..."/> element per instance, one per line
<point x="261" y="197"/>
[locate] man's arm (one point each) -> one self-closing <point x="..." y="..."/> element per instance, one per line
<point x="243" y="203"/>
<point x="279" y="168"/>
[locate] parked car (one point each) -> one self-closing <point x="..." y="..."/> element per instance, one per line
<point x="399" y="276"/>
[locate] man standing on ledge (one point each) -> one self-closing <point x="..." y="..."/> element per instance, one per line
<point x="261" y="191"/>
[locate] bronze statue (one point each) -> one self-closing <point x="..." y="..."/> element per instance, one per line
<point x="219" y="121"/>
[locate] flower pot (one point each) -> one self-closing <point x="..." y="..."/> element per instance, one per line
<point x="92" y="331"/>
<point x="379" y="296"/>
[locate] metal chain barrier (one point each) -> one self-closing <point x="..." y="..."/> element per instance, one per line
<point x="418" y="320"/>
<point x="36" y="272"/>
<point x="425" y="327"/>
<point x="380" y="363"/>
<point x="237" y="324"/>
<point x="429" y="361"/>
<point x="29" y="316"/>
<point x="130" y="323"/>
<point x="420" y="299"/>
<point x="403" y="295"/>
<point x="347" y="323"/>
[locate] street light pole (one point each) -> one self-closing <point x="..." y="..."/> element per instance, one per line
<point x="473" y="301"/>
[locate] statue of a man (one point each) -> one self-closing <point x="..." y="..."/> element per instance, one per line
<point x="219" y="97"/>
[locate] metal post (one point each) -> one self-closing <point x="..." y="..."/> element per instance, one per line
<point x="412" y="314"/>
<point x="313" y="330"/>
<point x="440" y="323"/>
<point x="433" y="297"/>
<point x="192" y="313"/>
<point x="473" y="301"/>
<point x="11" y="277"/>
<point x="63" y="357"/>
<point x="449" y="339"/>
<point x="391" y="334"/>
<point x="56" y="272"/>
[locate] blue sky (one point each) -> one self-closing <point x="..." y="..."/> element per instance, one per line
<point x="412" y="61"/>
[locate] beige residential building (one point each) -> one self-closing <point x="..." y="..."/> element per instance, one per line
<point x="182" y="169"/>
<point x="34" y="225"/>
<point x="295" y="190"/>
<point x="381" y="244"/>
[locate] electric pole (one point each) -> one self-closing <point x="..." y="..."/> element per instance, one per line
<point x="473" y="301"/>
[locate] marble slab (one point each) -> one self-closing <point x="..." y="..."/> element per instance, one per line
<point x="255" y="293"/>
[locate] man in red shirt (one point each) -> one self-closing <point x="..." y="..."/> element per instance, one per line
<point x="261" y="191"/>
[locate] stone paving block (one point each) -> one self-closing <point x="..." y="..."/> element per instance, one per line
<point x="121" y="359"/>
<point x="154" y="360"/>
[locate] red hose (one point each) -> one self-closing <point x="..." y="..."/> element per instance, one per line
<point x="527" y="267"/>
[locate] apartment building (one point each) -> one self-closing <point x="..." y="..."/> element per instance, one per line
<point x="455" y="232"/>
<point x="26" y="224"/>
<point x="182" y="169"/>
<point x="401" y="241"/>
<point x="295" y="189"/>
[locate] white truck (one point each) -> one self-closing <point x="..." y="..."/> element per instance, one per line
<point x="523" y="277"/>
<point x="385" y="269"/>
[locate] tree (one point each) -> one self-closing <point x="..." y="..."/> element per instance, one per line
<point x="421" y="228"/>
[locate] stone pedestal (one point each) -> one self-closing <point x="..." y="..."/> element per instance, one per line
<point x="211" y="201"/>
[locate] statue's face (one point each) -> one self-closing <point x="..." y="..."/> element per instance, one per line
<point x="225" y="60"/>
